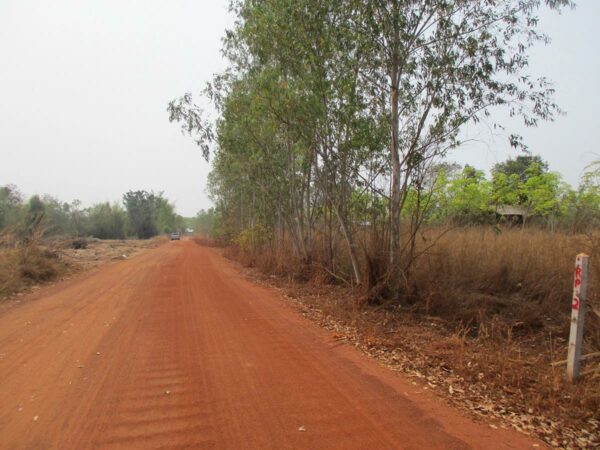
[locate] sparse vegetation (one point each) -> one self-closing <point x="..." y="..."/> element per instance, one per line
<point x="23" y="264"/>
<point x="33" y="233"/>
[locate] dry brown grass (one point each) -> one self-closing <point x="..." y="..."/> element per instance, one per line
<point x="498" y="283"/>
<point x="37" y="261"/>
<point x="28" y="264"/>
<point x="100" y="251"/>
<point x="521" y="279"/>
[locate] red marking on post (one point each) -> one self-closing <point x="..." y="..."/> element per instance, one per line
<point x="578" y="271"/>
<point x="577" y="313"/>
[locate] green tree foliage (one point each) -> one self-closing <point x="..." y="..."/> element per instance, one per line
<point x="149" y="214"/>
<point x="167" y="220"/>
<point x="107" y="221"/>
<point x="469" y="197"/>
<point x="206" y="223"/>
<point x="47" y="216"/>
<point x="35" y="212"/>
<point x="142" y="212"/>
<point x="438" y="65"/>
<point x="541" y="191"/>
<point x="526" y="181"/>
<point x="333" y="114"/>
<point x="584" y="205"/>
<point x="61" y="218"/>
<point x="523" y="166"/>
<point x="10" y="206"/>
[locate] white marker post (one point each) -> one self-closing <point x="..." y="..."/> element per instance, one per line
<point x="577" y="316"/>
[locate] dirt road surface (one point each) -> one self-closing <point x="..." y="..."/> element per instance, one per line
<point x="175" y="349"/>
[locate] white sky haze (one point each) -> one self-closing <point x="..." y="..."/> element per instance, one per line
<point x="84" y="87"/>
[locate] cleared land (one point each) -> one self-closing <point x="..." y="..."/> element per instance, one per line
<point x="174" y="348"/>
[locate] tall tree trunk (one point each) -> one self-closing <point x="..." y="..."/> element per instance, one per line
<point x="351" y="245"/>
<point x="309" y="218"/>
<point x="396" y="176"/>
<point x="342" y="220"/>
<point x="394" y="73"/>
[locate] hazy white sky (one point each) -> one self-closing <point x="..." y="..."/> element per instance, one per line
<point x="84" y="86"/>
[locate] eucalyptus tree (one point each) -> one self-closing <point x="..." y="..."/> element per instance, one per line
<point x="327" y="101"/>
<point x="324" y="112"/>
<point x="290" y="111"/>
<point x="441" y="64"/>
<point x="259" y="164"/>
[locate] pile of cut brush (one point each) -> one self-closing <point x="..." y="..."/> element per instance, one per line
<point x="27" y="262"/>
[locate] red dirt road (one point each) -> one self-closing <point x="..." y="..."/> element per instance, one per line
<point x="175" y="349"/>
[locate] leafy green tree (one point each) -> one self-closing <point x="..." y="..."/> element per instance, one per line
<point x="107" y="221"/>
<point x="460" y="196"/>
<point x="11" y="201"/>
<point x="45" y="215"/>
<point x="207" y="223"/>
<point x="506" y="189"/>
<point x="439" y="65"/>
<point x="167" y="220"/>
<point x="78" y="219"/>
<point x="522" y="166"/>
<point x="469" y="196"/>
<point x="34" y="214"/>
<point x="526" y="181"/>
<point x="510" y="177"/>
<point x="541" y="191"/>
<point x="62" y="218"/>
<point x="142" y="212"/>
<point x="585" y="202"/>
<point x="150" y="214"/>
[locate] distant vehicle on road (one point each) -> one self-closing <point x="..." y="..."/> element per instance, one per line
<point x="175" y="236"/>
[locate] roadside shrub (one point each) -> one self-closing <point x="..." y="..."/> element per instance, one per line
<point x="79" y="244"/>
<point x="27" y="264"/>
<point x="252" y="238"/>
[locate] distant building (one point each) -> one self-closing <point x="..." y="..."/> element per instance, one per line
<point x="513" y="214"/>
